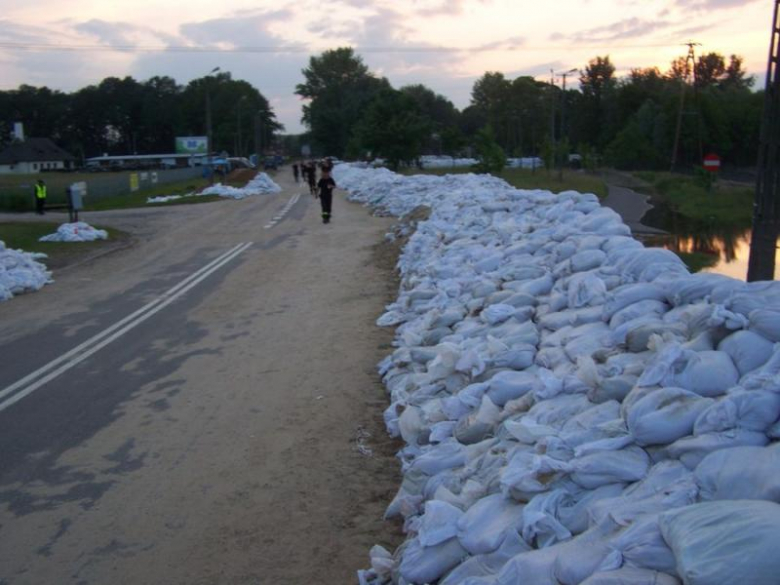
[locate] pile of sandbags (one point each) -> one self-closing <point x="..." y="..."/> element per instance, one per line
<point x="262" y="184"/>
<point x="75" y="232"/>
<point x="575" y="408"/>
<point x="20" y="272"/>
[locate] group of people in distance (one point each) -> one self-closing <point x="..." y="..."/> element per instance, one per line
<point x="322" y="189"/>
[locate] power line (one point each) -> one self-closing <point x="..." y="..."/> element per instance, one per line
<point x="300" y="48"/>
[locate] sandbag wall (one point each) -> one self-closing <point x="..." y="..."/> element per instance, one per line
<point x="20" y="272"/>
<point x="575" y="408"/>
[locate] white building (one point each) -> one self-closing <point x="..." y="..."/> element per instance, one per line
<point x="33" y="156"/>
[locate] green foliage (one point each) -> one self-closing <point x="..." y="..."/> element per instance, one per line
<point x="393" y="128"/>
<point x="125" y="116"/>
<point x="490" y="155"/>
<point x="339" y="88"/>
<point x="688" y="197"/>
<point x="547" y="154"/>
<point x="631" y="149"/>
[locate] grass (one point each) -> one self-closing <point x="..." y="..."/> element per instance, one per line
<point x="696" y="261"/>
<point x="25" y="235"/>
<point x="723" y="205"/>
<point x="138" y="199"/>
<point x="538" y="179"/>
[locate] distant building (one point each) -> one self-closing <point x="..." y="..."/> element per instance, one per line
<point x="33" y="156"/>
<point x="144" y="161"/>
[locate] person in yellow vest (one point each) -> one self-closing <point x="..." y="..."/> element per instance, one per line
<point x="40" y="196"/>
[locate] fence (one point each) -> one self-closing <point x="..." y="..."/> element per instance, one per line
<point x="16" y="191"/>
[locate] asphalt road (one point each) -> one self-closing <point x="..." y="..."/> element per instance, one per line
<point x="187" y="409"/>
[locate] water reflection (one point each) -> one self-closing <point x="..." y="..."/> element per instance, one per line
<point x="723" y="250"/>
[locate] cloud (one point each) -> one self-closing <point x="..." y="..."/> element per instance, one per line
<point x="713" y="4"/>
<point x="241" y="30"/>
<point x="509" y="44"/>
<point x="121" y="34"/>
<point x="629" y="28"/>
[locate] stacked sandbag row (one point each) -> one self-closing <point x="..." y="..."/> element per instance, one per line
<point x="20" y="272"/>
<point x="262" y="184"/>
<point x="575" y="408"/>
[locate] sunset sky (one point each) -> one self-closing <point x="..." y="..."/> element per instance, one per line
<point x="445" y="44"/>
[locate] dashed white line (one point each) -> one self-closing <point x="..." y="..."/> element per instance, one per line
<point x="280" y="216"/>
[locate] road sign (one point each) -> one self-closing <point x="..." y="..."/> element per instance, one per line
<point x="712" y="163"/>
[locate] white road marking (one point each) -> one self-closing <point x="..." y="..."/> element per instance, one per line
<point x="280" y="216"/>
<point x="99" y="341"/>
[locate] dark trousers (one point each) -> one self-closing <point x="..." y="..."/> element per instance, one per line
<point x="39" y="203"/>
<point x="326" y="200"/>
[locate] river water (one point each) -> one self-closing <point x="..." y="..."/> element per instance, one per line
<point x="728" y="249"/>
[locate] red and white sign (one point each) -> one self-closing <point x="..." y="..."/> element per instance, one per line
<point x="712" y="163"/>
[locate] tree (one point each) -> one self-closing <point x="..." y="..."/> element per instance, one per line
<point x="598" y="86"/>
<point x="393" y="128"/>
<point x="489" y="153"/>
<point x="338" y="87"/>
<point x="491" y="96"/>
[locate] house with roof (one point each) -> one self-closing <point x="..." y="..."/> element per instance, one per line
<point x="34" y="155"/>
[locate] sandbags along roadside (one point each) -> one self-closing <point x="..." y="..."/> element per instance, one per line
<point x="575" y="408"/>
<point x="21" y="272"/>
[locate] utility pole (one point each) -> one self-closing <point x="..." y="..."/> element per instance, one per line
<point x="208" y="125"/>
<point x="564" y="132"/>
<point x="766" y="209"/>
<point x="690" y="58"/>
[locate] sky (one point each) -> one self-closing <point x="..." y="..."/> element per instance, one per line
<point x="444" y="44"/>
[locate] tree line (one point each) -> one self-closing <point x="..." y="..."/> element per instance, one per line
<point x="631" y="122"/>
<point x="121" y="116"/>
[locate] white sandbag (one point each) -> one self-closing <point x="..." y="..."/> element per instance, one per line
<point x="425" y="564"/>
<point x="644" y="308"/>
<point x="747" y="349"/>
<point x="765" y="322"/>
<point x="754" y="410"/>
<point x="631" y="576"/>
<point x="487" y="564"/>
<point x="439" y="523"/>
<point x="668" y="484"/>
<point x="509" y="385"/>
<point x="641" y="545"/>
<point x="437" y="458"/>
<point x="495" y="314"/>
<point x="630" y="294"/>
<point x="598" y="469"/>
<point x="484" y="526"/>
<point x="741" y="473"/>
<point x="725" y="542"/>
<point x="585" y="290"/>
<point x="697" y="287"/>
<point x="587" y="260"/>
<point x="707" y="373"/>
<point x="665" y="415"/>
<point x="691" y="450"/>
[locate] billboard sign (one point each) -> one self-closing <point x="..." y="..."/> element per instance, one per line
<point x="191" y="144"/>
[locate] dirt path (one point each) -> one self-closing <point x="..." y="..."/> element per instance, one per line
<point x="223" y="447"/>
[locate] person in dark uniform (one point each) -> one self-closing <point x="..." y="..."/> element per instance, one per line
<point x="326" y="184"/>
<point x="312" y="177"/>
<point x="296" y="173"/>
<point x="40" y="196"/>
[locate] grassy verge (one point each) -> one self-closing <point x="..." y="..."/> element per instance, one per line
<point x="687" y="196"/>
<point x="538" y="179"/>
<point x="138" y="199"/>
<point x="24" y="236"/>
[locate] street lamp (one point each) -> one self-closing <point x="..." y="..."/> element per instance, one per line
<point x="208" y="126"/>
